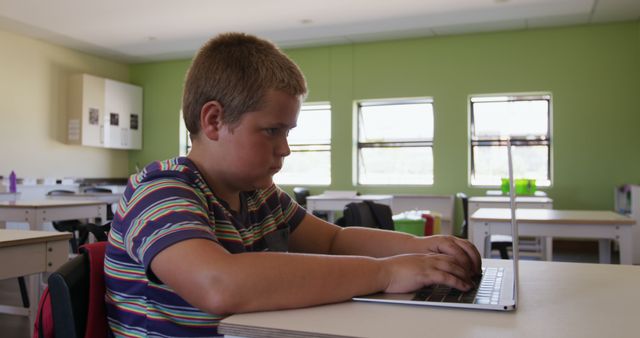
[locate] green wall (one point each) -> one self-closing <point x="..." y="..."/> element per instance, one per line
<point x="593" y="73"/>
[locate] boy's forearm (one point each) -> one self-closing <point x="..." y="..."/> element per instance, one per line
<point x="269" y="281"/>
<point x="371" y="242"/>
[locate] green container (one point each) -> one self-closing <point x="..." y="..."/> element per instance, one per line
<point x="524" y="186"/>
<point x="414" y="227"/>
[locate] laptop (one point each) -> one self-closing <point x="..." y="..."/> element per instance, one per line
<point x="497" y="290"/>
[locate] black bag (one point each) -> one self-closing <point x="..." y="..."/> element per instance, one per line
<point x="367" y="214"/>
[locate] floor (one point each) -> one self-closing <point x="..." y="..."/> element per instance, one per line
<point x="18" y="326"/>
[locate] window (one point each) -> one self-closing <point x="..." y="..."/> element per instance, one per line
<point x="185" y="140"/>
<point x="524" y="119"/>
<point x="395" y="142"/>
<point x="310" y="143"/>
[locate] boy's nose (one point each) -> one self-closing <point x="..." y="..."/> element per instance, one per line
<point x="283" y="148"/>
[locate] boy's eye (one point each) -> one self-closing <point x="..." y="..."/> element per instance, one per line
<point x="276" y="131"/>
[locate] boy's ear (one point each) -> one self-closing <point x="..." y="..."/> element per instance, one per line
<point x="211" y="119"/>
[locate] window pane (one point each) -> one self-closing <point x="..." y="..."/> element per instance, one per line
<point x="306" y="167"/>
<point x="310" y="160"/>
<point x="314" y="126"/>
<point x="184" y="140"/>
<point x="395" y="122"/>
<point x="517" y="118"/>
<point x="409" y="165"/>
<point x="528" y="162"/>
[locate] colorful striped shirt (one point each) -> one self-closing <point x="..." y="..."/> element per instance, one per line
<point x="169" y="201"/>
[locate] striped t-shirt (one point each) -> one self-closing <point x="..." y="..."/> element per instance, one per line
<point x="169" y="201"/>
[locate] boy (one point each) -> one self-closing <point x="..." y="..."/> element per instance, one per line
<point x="199" y="237"/>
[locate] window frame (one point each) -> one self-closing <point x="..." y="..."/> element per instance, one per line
<point x="304" y="147"/>
<point x="390" y="144"/>
<point x="515" y="141"/>
<point x="184" y="141"/>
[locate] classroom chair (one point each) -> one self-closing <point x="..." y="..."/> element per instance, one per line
<point x="300" y="194"/>
<point x="498" y="242"/>
<point x="91" y="190"/>
<point x="77" y="293"/>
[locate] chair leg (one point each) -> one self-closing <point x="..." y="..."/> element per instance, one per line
<point x="23" y="292"/>
<point x="74" y="242"/>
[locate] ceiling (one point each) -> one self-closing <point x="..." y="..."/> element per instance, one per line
<point x="150" y="30"/>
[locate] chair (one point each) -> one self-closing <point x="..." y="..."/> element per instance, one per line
<point x="300" y="194"/>
<point x="72" y="226"/>
<point x="498" y="242"/>
<point x="98" y="190"/>
<point x="77" y="295"/>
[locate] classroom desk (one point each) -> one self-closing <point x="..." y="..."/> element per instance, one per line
<point x="602" y="225"/>
<point x="337" y="203"/>
<point x="27" y="253"/>
<point x="527" y="202"/>
<point x="555" y="300"/>
<point x="38" y="212"/>
<point x="108" y="198"/>
<point x="9" y="196"/>
<point x="540" y="244"/>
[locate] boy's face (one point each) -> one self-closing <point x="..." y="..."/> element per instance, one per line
<point x="254" y="148"/>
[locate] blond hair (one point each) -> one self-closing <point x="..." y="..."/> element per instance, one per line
<point x="237" y="70"/>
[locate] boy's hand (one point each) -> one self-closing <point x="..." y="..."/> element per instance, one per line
<point x="409" y="272"/>
<point x="463" y="251"/>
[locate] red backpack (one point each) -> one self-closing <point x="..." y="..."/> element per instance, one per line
<point x="43" y="327"/>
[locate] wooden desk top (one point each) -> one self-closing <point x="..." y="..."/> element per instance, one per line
<point x="551" y="216"/>
<point x="502" y="199"/>
<point x="555" y="300"/>
<point x="9" y="237"/>
<point x="47" y="203"/>
<point x="355" y="198"/>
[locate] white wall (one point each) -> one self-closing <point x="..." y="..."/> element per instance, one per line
<point x="33" y="101"/>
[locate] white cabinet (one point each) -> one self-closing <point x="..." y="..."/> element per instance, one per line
<point x="104" y="113"/>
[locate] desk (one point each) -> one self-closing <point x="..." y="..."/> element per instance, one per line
<point x="9" y="196"/>
<point x="601" y="225"/>
<point x="105" y="197"/>
<point x="24" y="253"/>
<point x="526" y="202"/>
<point x="544" y="310"/>
<point x="332" y="203"/>
<point x="42" y="211"/>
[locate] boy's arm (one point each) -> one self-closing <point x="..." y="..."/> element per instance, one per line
<point x="210" y="278"/>
<point x="317" y="236"/>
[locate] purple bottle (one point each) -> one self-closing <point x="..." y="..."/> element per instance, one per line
<point x="12" y="182"/>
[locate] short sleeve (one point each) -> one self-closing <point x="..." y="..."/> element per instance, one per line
<point x="162" y="213"/>
<point x="293" y="212"/>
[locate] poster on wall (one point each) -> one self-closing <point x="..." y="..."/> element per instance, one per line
<point x="94" y="116"/>
<point x="114" y="119"/>
<point x="134" y="122"/>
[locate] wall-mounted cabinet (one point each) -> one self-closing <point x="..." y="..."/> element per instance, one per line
<point x="104" y="113"/>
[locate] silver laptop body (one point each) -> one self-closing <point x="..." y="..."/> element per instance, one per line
<point x="503" y="298"/>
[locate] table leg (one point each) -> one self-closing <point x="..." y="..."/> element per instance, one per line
<point x="548" y="248"/>
<point x="479" y="236"/>
<point x="604" y="249"/>
<point x="331" y="216"/>
<point x="34" y="288"/>
<point x="625" y="243"/>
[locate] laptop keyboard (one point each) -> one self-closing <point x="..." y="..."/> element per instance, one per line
<point x="487" y="292"/>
